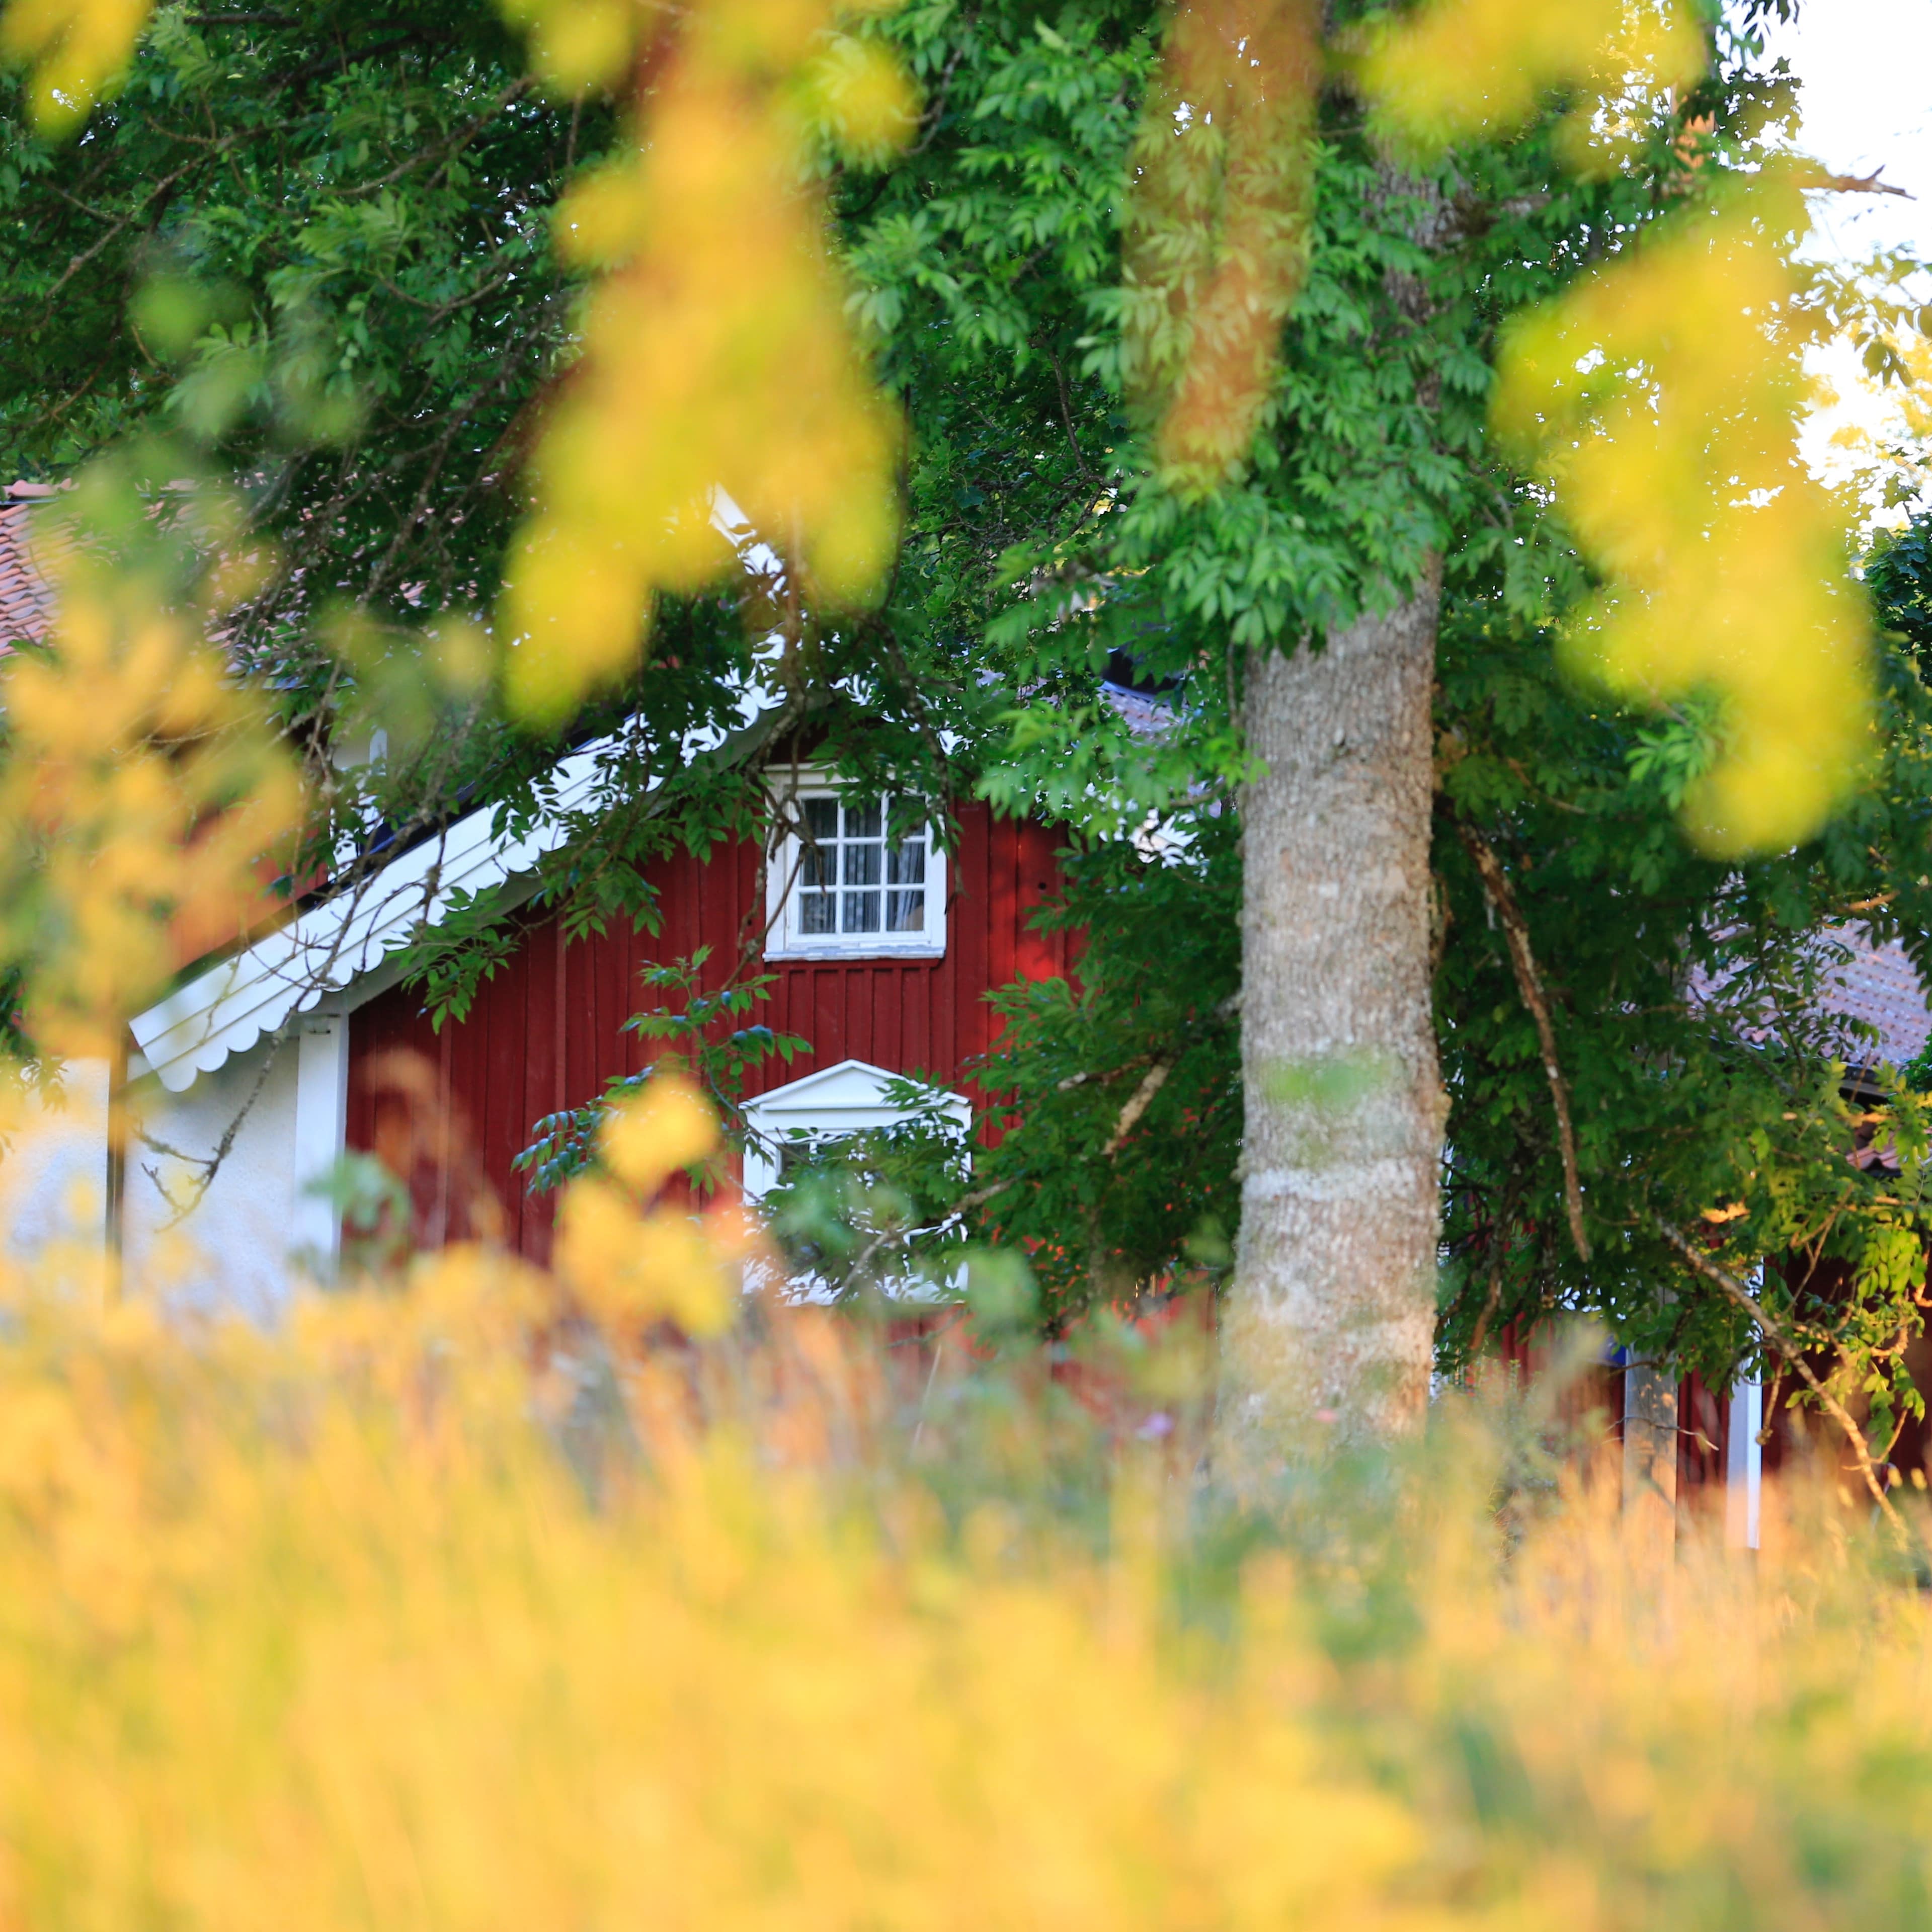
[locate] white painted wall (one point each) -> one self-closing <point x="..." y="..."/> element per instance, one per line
<point x="235" y="1250"/>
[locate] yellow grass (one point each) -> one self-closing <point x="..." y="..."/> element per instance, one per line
<point x="448" y="1607"/>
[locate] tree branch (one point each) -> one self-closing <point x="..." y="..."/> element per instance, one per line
<point x="1529" y="984"/>
<point x="1854" y="184"/>
<point x="1773" y="1332"/>
<point x="1139" y="1102"/>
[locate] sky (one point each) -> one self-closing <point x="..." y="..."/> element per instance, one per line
<point x="1866" y="68"/>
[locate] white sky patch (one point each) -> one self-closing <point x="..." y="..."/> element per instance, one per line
<point x="1866" y="70"/>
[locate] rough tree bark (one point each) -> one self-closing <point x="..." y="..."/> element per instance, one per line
<point x="1331" y="1319"/>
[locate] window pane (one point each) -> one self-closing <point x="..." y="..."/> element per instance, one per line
<point x="820" y="868"/>
<point x="905" y="865"/>
<point x="821" y="818"/>
<point x="798" y="1150"/>
<point x="861" y="821"/>
<point x="815" y="910"/>
<point x="862" y="912"/>
<point x="905" y="912"/>
<point x="862" y="865"/>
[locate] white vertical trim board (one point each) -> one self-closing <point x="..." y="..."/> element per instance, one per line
<point x="322" y="1128"/>
<point x="1744" y="1467"/>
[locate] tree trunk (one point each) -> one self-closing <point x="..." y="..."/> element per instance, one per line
<point x="1331" y="1323"/>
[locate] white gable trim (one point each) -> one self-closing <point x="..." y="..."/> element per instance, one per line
<point x="334" y="947"/>
<point x="843" y="1099"/>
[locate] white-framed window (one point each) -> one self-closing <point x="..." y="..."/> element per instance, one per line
<point x="842" y="885"/>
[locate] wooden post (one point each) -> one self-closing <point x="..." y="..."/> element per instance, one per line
<point x="1650" y="1457"/>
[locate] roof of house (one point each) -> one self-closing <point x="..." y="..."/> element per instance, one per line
<point x="26" y="597"/>
<point x="1879" y="985"/>
<point x="336" y="941"/>
<point x="1146" y="717"/>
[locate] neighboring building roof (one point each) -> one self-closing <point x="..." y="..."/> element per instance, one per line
<point x="1879" y="985"/>
<point x="1145" y="717"/>
<point x="26" y="597"/>
<point x="1875" y="986"/>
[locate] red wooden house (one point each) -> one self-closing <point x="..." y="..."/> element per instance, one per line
<point x="547" y="1032"/>
<point x="883" y="953"/>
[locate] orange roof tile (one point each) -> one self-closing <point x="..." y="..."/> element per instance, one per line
<point x="26" y="598"/>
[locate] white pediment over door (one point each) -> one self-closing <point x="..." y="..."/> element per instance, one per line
<point x="846" y="1098"/>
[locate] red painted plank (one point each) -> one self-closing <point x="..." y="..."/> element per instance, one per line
<point x="547" y="1031"/>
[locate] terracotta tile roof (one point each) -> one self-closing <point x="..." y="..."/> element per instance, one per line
<point x="26" y="598"/>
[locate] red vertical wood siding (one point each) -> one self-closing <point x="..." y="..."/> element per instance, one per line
<point x="1703" y="1416"/>
<point x="448" y="1112"/>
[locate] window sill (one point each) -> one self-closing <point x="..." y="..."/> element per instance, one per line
<point x="855" y="951"/>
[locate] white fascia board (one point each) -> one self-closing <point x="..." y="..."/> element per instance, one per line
<point x="334" y="944"/>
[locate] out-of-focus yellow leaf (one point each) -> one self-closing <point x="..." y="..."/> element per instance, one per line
<point x="75" y="49"/>
<point x="142" y="796"/>
<point x="630" y="1265"/>
<point x="716" y="356"/>
<point x="1217" y="235"/>
<point x="666" y="1127"/>
<point x="1460" y="67"/>
<point x="1660" y="399"/>
<point x="576" y="45"/>
<point x="861" y="98"/>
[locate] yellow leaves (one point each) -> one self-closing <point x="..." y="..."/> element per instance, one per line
<point x="399" y="1674"/>
<point x="631" y="1270"/>
<point x="142" y="800"/>
<point x="715" y="355"/>
<point x="75" y="49"/>
<point x="632" y="1266"/>
<point x="1217" y="233"/>
<point x="861" y="99"/>
<point x="668" y="1127"/>
<point x="1462" y="67"/>
<point x="1660" y="399"/>
<point x="575" y="45"/>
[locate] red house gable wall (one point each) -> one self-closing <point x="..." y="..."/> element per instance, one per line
<point x="449" y="1111"/>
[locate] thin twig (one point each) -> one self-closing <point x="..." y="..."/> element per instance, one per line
<point x="1529" y="984"/>
<point x="1480" y="1334"/>
<point x="926" y="1394"/>
<point x="1773" y="1332"/>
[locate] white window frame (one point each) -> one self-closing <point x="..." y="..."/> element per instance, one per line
<point x="828" y="1105"/>
<point x="785" y="937"/>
